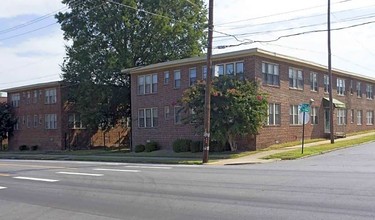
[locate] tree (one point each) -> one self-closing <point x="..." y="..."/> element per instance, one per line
<point x="108" y="36"/>
<point x="238" y="108"/>
<point x="7" y="121"/>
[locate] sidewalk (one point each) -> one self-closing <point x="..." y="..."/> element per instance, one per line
<point x="257" y="157"/>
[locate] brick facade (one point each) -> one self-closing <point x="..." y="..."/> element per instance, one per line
<point x="166" y="131"/>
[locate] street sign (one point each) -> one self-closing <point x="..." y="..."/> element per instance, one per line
<point x="304" y="107"/>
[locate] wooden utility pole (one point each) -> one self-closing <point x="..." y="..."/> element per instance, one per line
<point x="330" y="75"/>
<point x="207" y="112"/>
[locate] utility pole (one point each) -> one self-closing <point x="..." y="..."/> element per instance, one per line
<point x="330" y="74"/>
<point x="207" y="112"/>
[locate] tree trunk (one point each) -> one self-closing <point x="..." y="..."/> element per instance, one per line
<point x="232" y="142"/>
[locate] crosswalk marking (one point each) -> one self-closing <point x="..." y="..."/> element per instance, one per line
<point x="35" y="179"/>
<point x="117" y="170"/>
<point x="81" y="174"/>
<point x="150" y="167"/>
<point x="2" y="187"/>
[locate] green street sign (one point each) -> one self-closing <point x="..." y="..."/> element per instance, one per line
<point x="304" y="107"/>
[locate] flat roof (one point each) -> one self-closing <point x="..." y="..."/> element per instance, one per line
<point x="248" y="52"/>
<point x="32" y="86"/>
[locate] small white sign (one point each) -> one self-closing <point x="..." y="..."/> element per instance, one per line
<point x="307" y="117"/>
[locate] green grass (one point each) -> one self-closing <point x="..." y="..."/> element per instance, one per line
<point x="291" y="144"/>
<point x="315" y="150"/>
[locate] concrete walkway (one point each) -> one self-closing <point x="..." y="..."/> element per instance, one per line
<point x="256" y="158"/>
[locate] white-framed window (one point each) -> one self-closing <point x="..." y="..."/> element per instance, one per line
<point x="314" y="81"/>
<point x="28" y="100"/>
<point x="166" y="77"/>
<point x="50" y="96"/>
<point x="177" y="79"/>
<point x="359" y="117"/>
<point x="15" y="99"/>
<point x="314" y="115"/>
<point x="370" y="117"/>
<point x="326" y="83"/>
<point x="147" y="117"/>
<point x="293" y="115"/>
<point x="341" y="116"/>
<point x="352" y="116"/>
<point x="219" y="70"/>
<point x="166" y="112"/>
<point x="295" y="78"/>
<point x="16" y="126"/>
<point x="35" y="98"/>
<point x="147" y="84"/>
<point x="359" y="90"/>
<point x="230" y="69"/>
<point x="204" y="72"/>
<point x="369" y="93"/>
<point x="273" y="114"/>
<point x="178" y="114"/>
<point x="50" y="121"/>
<point x="270" y="73"/>
<point x="36" y="120"/>
<point x="351" y="87"/>
<point x="74" y="121"/>
<point x="28" y="121"/>
<point x="340" y="86"/>
<point x="192" y="76"/>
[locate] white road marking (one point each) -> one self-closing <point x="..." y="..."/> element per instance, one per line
<point x="35" y="179"/>
<point x="150" y="167"/>
<point x="117" y="170"/>
<point x="2" y="187"/>
<point x="81" y="174"/>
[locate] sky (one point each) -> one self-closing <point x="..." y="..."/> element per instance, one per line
<point x="32" y="47"/>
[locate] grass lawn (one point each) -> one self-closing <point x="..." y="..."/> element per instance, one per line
<point x="315" y="150"/>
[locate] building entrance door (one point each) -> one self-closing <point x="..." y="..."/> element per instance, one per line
<point x="327" y="121"/>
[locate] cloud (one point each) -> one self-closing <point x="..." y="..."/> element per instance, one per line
<point x="14" y="8"/>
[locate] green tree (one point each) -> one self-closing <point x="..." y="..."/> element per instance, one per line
<point x="108" y="36"/>
<point x="238" y="108"/>
<point x="7" y="121"/>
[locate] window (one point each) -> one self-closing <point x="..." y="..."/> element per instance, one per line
<point x="192" y="76"/>
<point x="28" y="121"/>
<point x="229" y="69"/>
<point x="147" y="84"/>
<point x="273" y="114"/>
<point x="23" y="120"/>
<point x="359" y="117"/>
<point x="351" y="87"/>
<point x="369" y="94"/>
<point x="35" y="98"/>
<point x="50" y="121"/>
<point x="314" y="115"/>
<point x="15" y="99"/>
<point x="36" y="121"/>
<point x="166" y="112"/>
<point x="352" y="116"/>
<point x="359" y="90"/>
<point x="370" y="117"/>
<point x="341" y="116"/>
<point x="154" y="88"/>
<point x="16" y="126"/>
<point x="313" y="82"/>
<point x="204" y="72"/>
<point x="270" y="74"/>
<point x="166" y="77"/>
<point x="178" y="114"/>
<point x="239" y="70"/>
<point x="28" y="100"/>
<point x="326" y="83"/>
<point x="340" y="86"/>
<point x="295" y="78"/>
<point x="219" y="70"/>
<point x="50" y="96"/>
<point x="293" y="115"/>
<point x="141" y="85"/>
<point x="148" y="118"/>
<point x="74" y="121"/>
<point x="177" y="79"/>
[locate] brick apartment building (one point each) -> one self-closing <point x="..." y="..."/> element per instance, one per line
<point x="289" y="82"/>
<point x="45" y="118"/>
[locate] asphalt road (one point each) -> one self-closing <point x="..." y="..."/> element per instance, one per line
<point x="338" y="185"/>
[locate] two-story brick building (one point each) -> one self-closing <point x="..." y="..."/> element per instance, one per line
<point x="47" y="119"/>
<point x="289" y="82"/>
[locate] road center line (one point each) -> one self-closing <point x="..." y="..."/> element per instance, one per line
<point x="35" y="179"/>
<point x="149" y="167"/>
<point x="81" y="174"/>
<point x="2" y="187"/>
<point x="4" y="174"/>
<point x="117" y="170"/>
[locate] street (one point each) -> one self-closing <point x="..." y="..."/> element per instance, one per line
<point x="337" y="185"/>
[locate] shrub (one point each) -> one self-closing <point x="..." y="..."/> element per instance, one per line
<point x="196" y="146"/>
<point x="139" y="148"/>
<point x="23" y="147"/>
<point x="216" y="146"/>
<point x="5" y="147"/>
<point x="151" y="146"/>
<point x="34" y="147"/>
<point x="181" y="145"/>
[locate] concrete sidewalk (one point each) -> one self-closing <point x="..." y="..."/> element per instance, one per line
<point x="256" y="158"/>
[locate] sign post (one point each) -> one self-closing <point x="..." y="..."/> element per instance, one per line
<point x="304" y="108"/>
